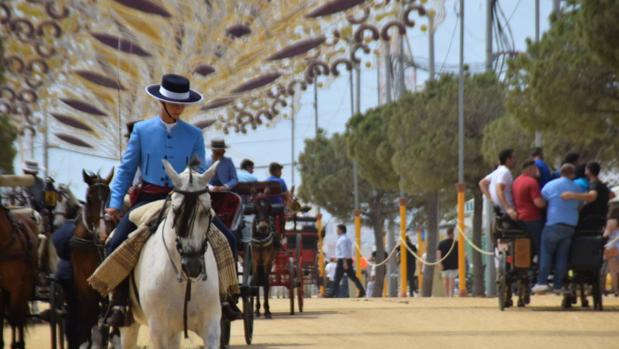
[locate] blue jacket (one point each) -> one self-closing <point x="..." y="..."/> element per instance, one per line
<point x="61" y="240"/>
<point x="225" y="174"/>
<point x="148" y="145"/>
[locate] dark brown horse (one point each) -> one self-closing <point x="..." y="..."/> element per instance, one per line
<point x="264" y="247"/>
<point x="18" y="269"/>
<point x="87" y="253"/>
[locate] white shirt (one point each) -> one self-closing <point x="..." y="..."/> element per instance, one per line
<point x="330" y="270"/>
<point x="343" y="247"/>
<point x="502" y="175"/>
<point x="168" y="127"/>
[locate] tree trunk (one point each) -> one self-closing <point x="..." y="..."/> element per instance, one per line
<point x="379" y="282"/>
<point x="432" y="231"/>
<point x="478" y="268"/>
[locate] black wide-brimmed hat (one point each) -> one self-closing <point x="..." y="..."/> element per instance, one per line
<point x="218" y="144"/>
<point x="174" y="89"/>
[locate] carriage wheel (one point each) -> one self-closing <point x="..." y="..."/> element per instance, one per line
<point x="301" y="289"/>
<point x="224" y="340"/>
<point x="291" y="283"/>
<point x="502" y="281"/>
<point x="248" y="299"/>
<point x="299" y="284"/>
<point x="598" y="287"/>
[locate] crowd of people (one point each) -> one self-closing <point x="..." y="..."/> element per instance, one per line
<point x="552" y="207"/>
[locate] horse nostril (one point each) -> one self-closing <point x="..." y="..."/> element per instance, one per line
<point x="192" y="267"/>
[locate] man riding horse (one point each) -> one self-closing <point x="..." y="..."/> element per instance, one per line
<point x="163" y="137"/>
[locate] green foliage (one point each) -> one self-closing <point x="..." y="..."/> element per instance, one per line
<point x="427" y="125"/>
<point x="366" y="137"/>
<point x="558" y="86"/>
<point x="597" y="24"/>
<point x="8" y="134"/>
<point x="503" y="133"/>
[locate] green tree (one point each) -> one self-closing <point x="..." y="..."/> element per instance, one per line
<point x="8" y="135"/>
<point x="560" y="87"/>
<point x="326" y="172"/>
<point x="426" y="125"/>
<point x="597" y="24"/>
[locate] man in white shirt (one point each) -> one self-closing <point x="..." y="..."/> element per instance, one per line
<point x="246" y="174"/>
<point x="343" y="254"/>
<point x="497" y="186"/>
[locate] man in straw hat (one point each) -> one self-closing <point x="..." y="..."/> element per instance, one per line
<point x="35" y="193"/>
<point x="167" y="137"/>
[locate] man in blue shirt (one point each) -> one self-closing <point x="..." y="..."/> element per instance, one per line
<point x="225" y="179"/>
<point x="275" y="170"/>
<point x="246" y="174"/>
<point x="544" y="172"/>
<point x="562" y="219"/>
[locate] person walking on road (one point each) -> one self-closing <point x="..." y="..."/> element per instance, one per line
<point x="450" y="264"/>
<point x="344" y="253"/>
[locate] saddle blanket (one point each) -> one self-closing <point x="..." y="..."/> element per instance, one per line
<point x="117" y="266"/>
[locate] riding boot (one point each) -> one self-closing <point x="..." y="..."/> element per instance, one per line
<point x="229" y="308"/>
<point x="120" y="315"/>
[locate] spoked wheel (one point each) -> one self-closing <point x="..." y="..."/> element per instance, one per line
<point x="502" y="280"/>
<point x="291" y="283"/>
<point x="225" y="333"/>
<point x="597" y="290"/>
<point x="56" y="302"/>
<point x="300" y="283"/>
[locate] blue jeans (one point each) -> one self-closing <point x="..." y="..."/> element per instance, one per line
<point x="534" y="228"/>
<point x="556" y="240"/>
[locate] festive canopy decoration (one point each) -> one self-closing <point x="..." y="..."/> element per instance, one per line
<point x="84" y="64"/>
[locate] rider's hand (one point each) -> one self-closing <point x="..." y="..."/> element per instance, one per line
<point x="566" y="196"/>
<point x="112" y="212"/>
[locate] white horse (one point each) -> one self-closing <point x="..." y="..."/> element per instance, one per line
<point x="178" y="251"/>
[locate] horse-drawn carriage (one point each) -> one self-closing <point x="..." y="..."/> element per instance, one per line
<point x="515" y="269"/>
<point x="25" y="250"/>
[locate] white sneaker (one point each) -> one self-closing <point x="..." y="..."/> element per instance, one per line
<point x="540" y="289"/>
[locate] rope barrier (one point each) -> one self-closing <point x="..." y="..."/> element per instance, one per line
<point x="391" y="254"/>
<point x="422" y="260"/>
<point x="475" y="247"/>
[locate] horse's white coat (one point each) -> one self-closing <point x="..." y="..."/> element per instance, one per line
<point x="161" y="295"/>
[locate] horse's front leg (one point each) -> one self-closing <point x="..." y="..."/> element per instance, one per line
<point x="211" y="334"/>
<point x="161" y="337"/>
<point x="129" y="336"/>
<point x="267" y="287"/>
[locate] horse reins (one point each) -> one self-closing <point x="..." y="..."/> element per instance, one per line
<point x="180" y="274"/>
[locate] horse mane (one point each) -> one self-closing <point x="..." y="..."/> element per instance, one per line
<point x="185" y="215"/>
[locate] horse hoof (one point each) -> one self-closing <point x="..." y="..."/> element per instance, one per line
<point x="268" y="316"/>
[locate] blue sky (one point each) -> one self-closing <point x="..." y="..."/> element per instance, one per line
<point x="265" y="145"/>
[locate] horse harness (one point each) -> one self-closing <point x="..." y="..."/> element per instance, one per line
<point x="191" y="196"/>
<point x="92" y="241"/>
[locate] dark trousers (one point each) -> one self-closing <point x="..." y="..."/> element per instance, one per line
<point x="71" y="320"/>
<point x="339" y="273"/>
<point x="411" y="279"/>
<point x="125" y="226"/>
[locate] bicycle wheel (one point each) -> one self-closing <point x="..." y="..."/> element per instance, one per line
<point x="501" y="275"/>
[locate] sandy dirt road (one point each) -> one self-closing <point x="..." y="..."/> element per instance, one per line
<point x="421" y="323"/>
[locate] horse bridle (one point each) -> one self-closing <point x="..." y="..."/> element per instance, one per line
<point x="92" y="239"/>
<point x="193" y="195"/>
<point x="268" y="239"/>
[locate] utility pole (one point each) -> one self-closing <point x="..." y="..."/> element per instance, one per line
<point x="46" y="145"/>
<point x="538" y="134"/>
<point x="490" y="276"/>
<point x="556" y="6"/>
<point x="461" y="184"/>
<point x="355" y="179"/>
<point x="316" y="105"/>
<point x="292" y="162"/>
<point x="431" y="45"/>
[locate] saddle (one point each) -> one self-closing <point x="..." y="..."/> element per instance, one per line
<point x="117" y="266"/>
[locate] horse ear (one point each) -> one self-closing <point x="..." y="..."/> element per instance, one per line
<point x="87" y="178"/>
<point x="208" y="174"/>
<point x="109" y="177"/>
<point x="171" y="172"/>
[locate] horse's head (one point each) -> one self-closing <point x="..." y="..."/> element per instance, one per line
<point x="262" y="220"/>
<point x="97" y="196"/>
<point x="67" y="206"/>
<point x="191" y="216"/>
